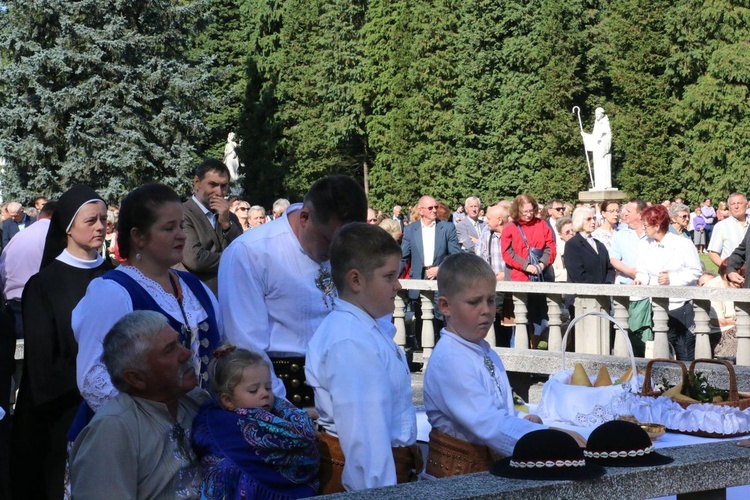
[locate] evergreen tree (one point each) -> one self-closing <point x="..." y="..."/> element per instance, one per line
<point x="410" y="70"/>
<point x="99" y="93"/>
<point x="631" y="48"/>
<point x="710" y="67"/>
<point x="220" y="36"/>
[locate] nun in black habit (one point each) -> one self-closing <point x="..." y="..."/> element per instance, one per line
<point x="48" y="397"/>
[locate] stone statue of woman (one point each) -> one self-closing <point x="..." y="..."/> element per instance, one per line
<point x="231" y="160"/>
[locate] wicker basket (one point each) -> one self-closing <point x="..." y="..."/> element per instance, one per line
<point x="734" y="399"/>
<point x="584" y="406"/>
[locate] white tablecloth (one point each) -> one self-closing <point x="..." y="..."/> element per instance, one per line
<point x="666" y="441"/>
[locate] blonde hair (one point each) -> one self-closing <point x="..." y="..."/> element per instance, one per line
<point x="225" y="370"/>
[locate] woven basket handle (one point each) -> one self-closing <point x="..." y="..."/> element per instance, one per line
<point x="734" y="395"/>
<point x="620" y="330"/>
<point x="647" y="389"/>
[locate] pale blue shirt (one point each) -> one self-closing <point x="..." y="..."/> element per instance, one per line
<point x="625" y="248"/>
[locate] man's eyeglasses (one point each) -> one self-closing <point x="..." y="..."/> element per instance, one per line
<point x="433" y="207"/>
<point x="559" y="209"/>
<point x="243" y="209"/>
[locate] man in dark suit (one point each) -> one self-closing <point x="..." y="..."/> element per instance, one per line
<point x="16" y="221"/>
<point x="425" y="245"/>
<point x="209" y="225"/>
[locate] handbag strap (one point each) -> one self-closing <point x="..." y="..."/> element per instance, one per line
<point x="525" y="242"/>
<point x="523" y="236"/>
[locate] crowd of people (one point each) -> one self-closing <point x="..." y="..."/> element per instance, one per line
<point x="171" y="352"/>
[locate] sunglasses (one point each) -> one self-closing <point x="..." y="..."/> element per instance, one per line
<point x="559" y="209"/>
<point x="243" y="209"/>
<point x="433" y="207"/>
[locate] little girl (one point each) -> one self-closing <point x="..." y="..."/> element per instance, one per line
<point x="251" y="444"/>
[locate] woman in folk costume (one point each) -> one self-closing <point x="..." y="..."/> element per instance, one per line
<point x="48" y="398"/>
<point x="150" y="235"/>
<point x="250" y="443"/>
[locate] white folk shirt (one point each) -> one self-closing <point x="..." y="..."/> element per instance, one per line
<point x="362" y="393"/>
<point x="103" y="305"/>
<point x="674" y="254"/>
<point x="463" y="401"/>
<point x="428" y="243"/>
<point x="727" y="236"/>
<point x="269" y="300"/>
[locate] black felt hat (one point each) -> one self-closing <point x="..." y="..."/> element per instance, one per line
<point x="546" y="454"/>
<point x="622" y="444"/>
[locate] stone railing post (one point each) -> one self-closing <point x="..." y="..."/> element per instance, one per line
<point x="702" y="329"/>
<point x="743" y="333"/>
<point x="661" y="343"/>
<point x="554" y="342"/>
<point x="428" y="331"/>
<point x="399" y="314"/>
<point x="620" y="307"/>
<point x="592" y="333"/>
<point x="521" y="309"/>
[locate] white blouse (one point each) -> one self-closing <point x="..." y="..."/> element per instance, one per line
<point x="103" y="305"/>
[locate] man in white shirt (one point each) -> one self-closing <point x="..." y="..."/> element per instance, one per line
<point x="729" y="233"/>
<point x="275" y="282"/>
<point x="470" y="227"/>
<point x="425" y="245"/>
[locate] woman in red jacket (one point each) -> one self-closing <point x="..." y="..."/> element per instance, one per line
<point x="528" y="248"/>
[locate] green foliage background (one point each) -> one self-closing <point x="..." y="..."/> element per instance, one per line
<point x="445" y="97"/>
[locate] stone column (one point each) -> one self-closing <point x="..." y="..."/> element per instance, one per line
<point x="661" y="343"/>
<point x="743" y="333"/>
<point x="554" y="342"/>
<point x="399" y="313"/>
<point x="428" y="331"/>
<point x="621" y="316"/>
<point x="592" y="333"/>
<point x="522" y="333"/>
<point x="702" y="329"/>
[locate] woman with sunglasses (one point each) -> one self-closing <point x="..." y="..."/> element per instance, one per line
<point x="242" y="211"/>
<point x="679" y="214"/>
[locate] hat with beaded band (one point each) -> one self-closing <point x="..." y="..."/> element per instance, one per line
<point x="546" y="454"/>
<point x="622" y="444"/>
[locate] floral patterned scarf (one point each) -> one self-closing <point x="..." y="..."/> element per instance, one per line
<point x="254" y="453"/>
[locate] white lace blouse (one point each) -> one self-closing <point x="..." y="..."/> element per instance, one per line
<point x="106" y="302"/>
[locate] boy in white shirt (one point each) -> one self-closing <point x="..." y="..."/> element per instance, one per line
<point x="359" y="374"/>
<point x="467" y="395"/>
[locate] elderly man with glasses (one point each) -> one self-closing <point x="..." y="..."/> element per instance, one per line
<point x="426" y="243"/>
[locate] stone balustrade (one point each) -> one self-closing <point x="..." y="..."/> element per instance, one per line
<point x="594" y="336"/>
